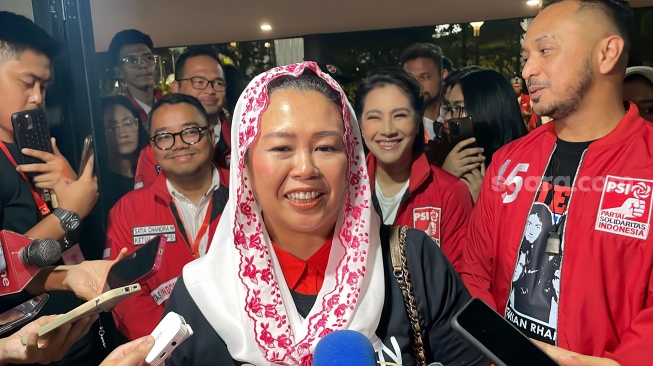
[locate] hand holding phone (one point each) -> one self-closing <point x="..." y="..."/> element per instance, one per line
<point x="51" y="348"/>
<point x="463" y="158"/>
<point x="139" y="265"/>
<point x="496" y="338"/>
<point x="104" y="302"/>
<point x="31" y="131"/>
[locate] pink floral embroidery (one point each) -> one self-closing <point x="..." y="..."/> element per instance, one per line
<point x="353" y="279"/>
<point x="250" y="270"/>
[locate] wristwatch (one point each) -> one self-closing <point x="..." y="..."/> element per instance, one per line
<point x="68" y="219"/>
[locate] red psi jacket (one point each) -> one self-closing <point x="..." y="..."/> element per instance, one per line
<point x="606" y="284"/>
<point x="135" y="219"/>
<point x="436" y="202"/>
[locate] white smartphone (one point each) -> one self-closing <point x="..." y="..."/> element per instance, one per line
<point x="104" y="302"/>
<point x="170" y="333"/>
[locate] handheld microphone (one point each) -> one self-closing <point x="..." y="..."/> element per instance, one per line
<point x="24" y="257"/>
<point x="344" y="348"/>
<point x="41" y="252"/>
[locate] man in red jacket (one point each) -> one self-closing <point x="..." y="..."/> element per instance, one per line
<point x="184" y="203"/>
<point x="559" y="240"/>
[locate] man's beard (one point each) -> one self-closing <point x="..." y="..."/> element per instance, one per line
<point x="562" y="108"/>
<point x="429" y="100"/>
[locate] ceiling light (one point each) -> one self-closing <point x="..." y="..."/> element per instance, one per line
<point x="533" y="2"/>
<point x="266" y="27"/>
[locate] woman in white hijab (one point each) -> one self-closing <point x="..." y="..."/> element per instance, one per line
<point x="298" y="253"/>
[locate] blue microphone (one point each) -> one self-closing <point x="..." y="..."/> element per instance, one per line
<point x="344" y="348"/>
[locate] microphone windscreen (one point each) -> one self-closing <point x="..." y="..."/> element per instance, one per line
<point x="41" y="252"/>
<point x="344" y="348"/>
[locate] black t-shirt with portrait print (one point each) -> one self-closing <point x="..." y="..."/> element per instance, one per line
<point x="533" y="303"/>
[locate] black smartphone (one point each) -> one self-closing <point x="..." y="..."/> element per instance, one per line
<point x="87" y="151"/>
<point x="138" y="266"/>
<point x="461" y="129"/>
<point x="496" y="338"/>
<point x="31" y="131"/>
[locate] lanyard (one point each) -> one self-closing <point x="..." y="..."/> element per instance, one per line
<point x="42" y="205"/>
<point x="195" y="244"/>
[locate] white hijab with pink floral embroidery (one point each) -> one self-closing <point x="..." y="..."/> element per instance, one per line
<point x="239" y="285"/>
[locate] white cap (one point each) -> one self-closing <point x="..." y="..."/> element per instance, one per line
<point x="645" y="71"/>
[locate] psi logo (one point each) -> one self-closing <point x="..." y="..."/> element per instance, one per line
<point x="625" y="207"/>
<point x="427" y="219"/>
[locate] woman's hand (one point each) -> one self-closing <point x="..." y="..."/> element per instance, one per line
<point x="130" y="354"/>
<point x="569" y="358"/>
<point x="461" y="160"/>
<point x="54" y="167"/>
<point x="473" y="181"/>
<point x="49" y="348"/>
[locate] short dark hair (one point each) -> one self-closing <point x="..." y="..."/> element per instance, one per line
<point x="453" y="77"/>
<point x="18" y="33"/>
<point x="619" y="12"/>
<point x="403" y="80"/>
<point x="124" y="38"/>
<point x="426" y="50"/>
<point x="490" y="101"/>
<point x="190" y="53"/>
<point x="178" y="98"/>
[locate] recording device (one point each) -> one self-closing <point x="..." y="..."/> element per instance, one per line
<point x="344" y="347"/>
<point x="24" y="257"/>
<point x="496" y="338"/>
<point x="138" y="266"/>
<point x="21" y="314"/>
<point x="461" y="129"/>
<point x="104" y="302"/>
<point x="170" y="333"/>
<point x="87" y="151"/>
<point x="31" y="131"/>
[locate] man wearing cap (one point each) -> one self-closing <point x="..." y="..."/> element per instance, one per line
<point x="638" y="88"/>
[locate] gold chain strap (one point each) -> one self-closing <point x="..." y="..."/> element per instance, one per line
<point x="400" y="269"/>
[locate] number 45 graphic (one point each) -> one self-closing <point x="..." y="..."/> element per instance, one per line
<point x="511" y="179"/>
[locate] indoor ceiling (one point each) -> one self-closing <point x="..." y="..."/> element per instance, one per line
<point x="178" y="23"/>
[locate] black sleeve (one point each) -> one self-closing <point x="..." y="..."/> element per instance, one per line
<point x="204" y="347"/>
<point x="439" y="293"/>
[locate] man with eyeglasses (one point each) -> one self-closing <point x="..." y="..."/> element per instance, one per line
<point x="184" y="204"/>
<point x="134" y="64"/>
<point x="197" y="73"/>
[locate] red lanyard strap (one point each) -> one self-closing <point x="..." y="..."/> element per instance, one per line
<point x="42" y="205"/>
<point x="195" y="244"/>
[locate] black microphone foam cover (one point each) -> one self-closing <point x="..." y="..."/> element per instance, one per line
<point x="41" y="252"/>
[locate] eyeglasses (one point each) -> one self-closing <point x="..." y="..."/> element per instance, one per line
<point x="134" y="62"/>
<point x="190" y="136"/>
<point x="455" y="111"/>
<point x="200" y="83"/>
<point x="130" y="124"/>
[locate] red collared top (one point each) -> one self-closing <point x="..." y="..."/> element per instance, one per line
<point x="304" y="276"/>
